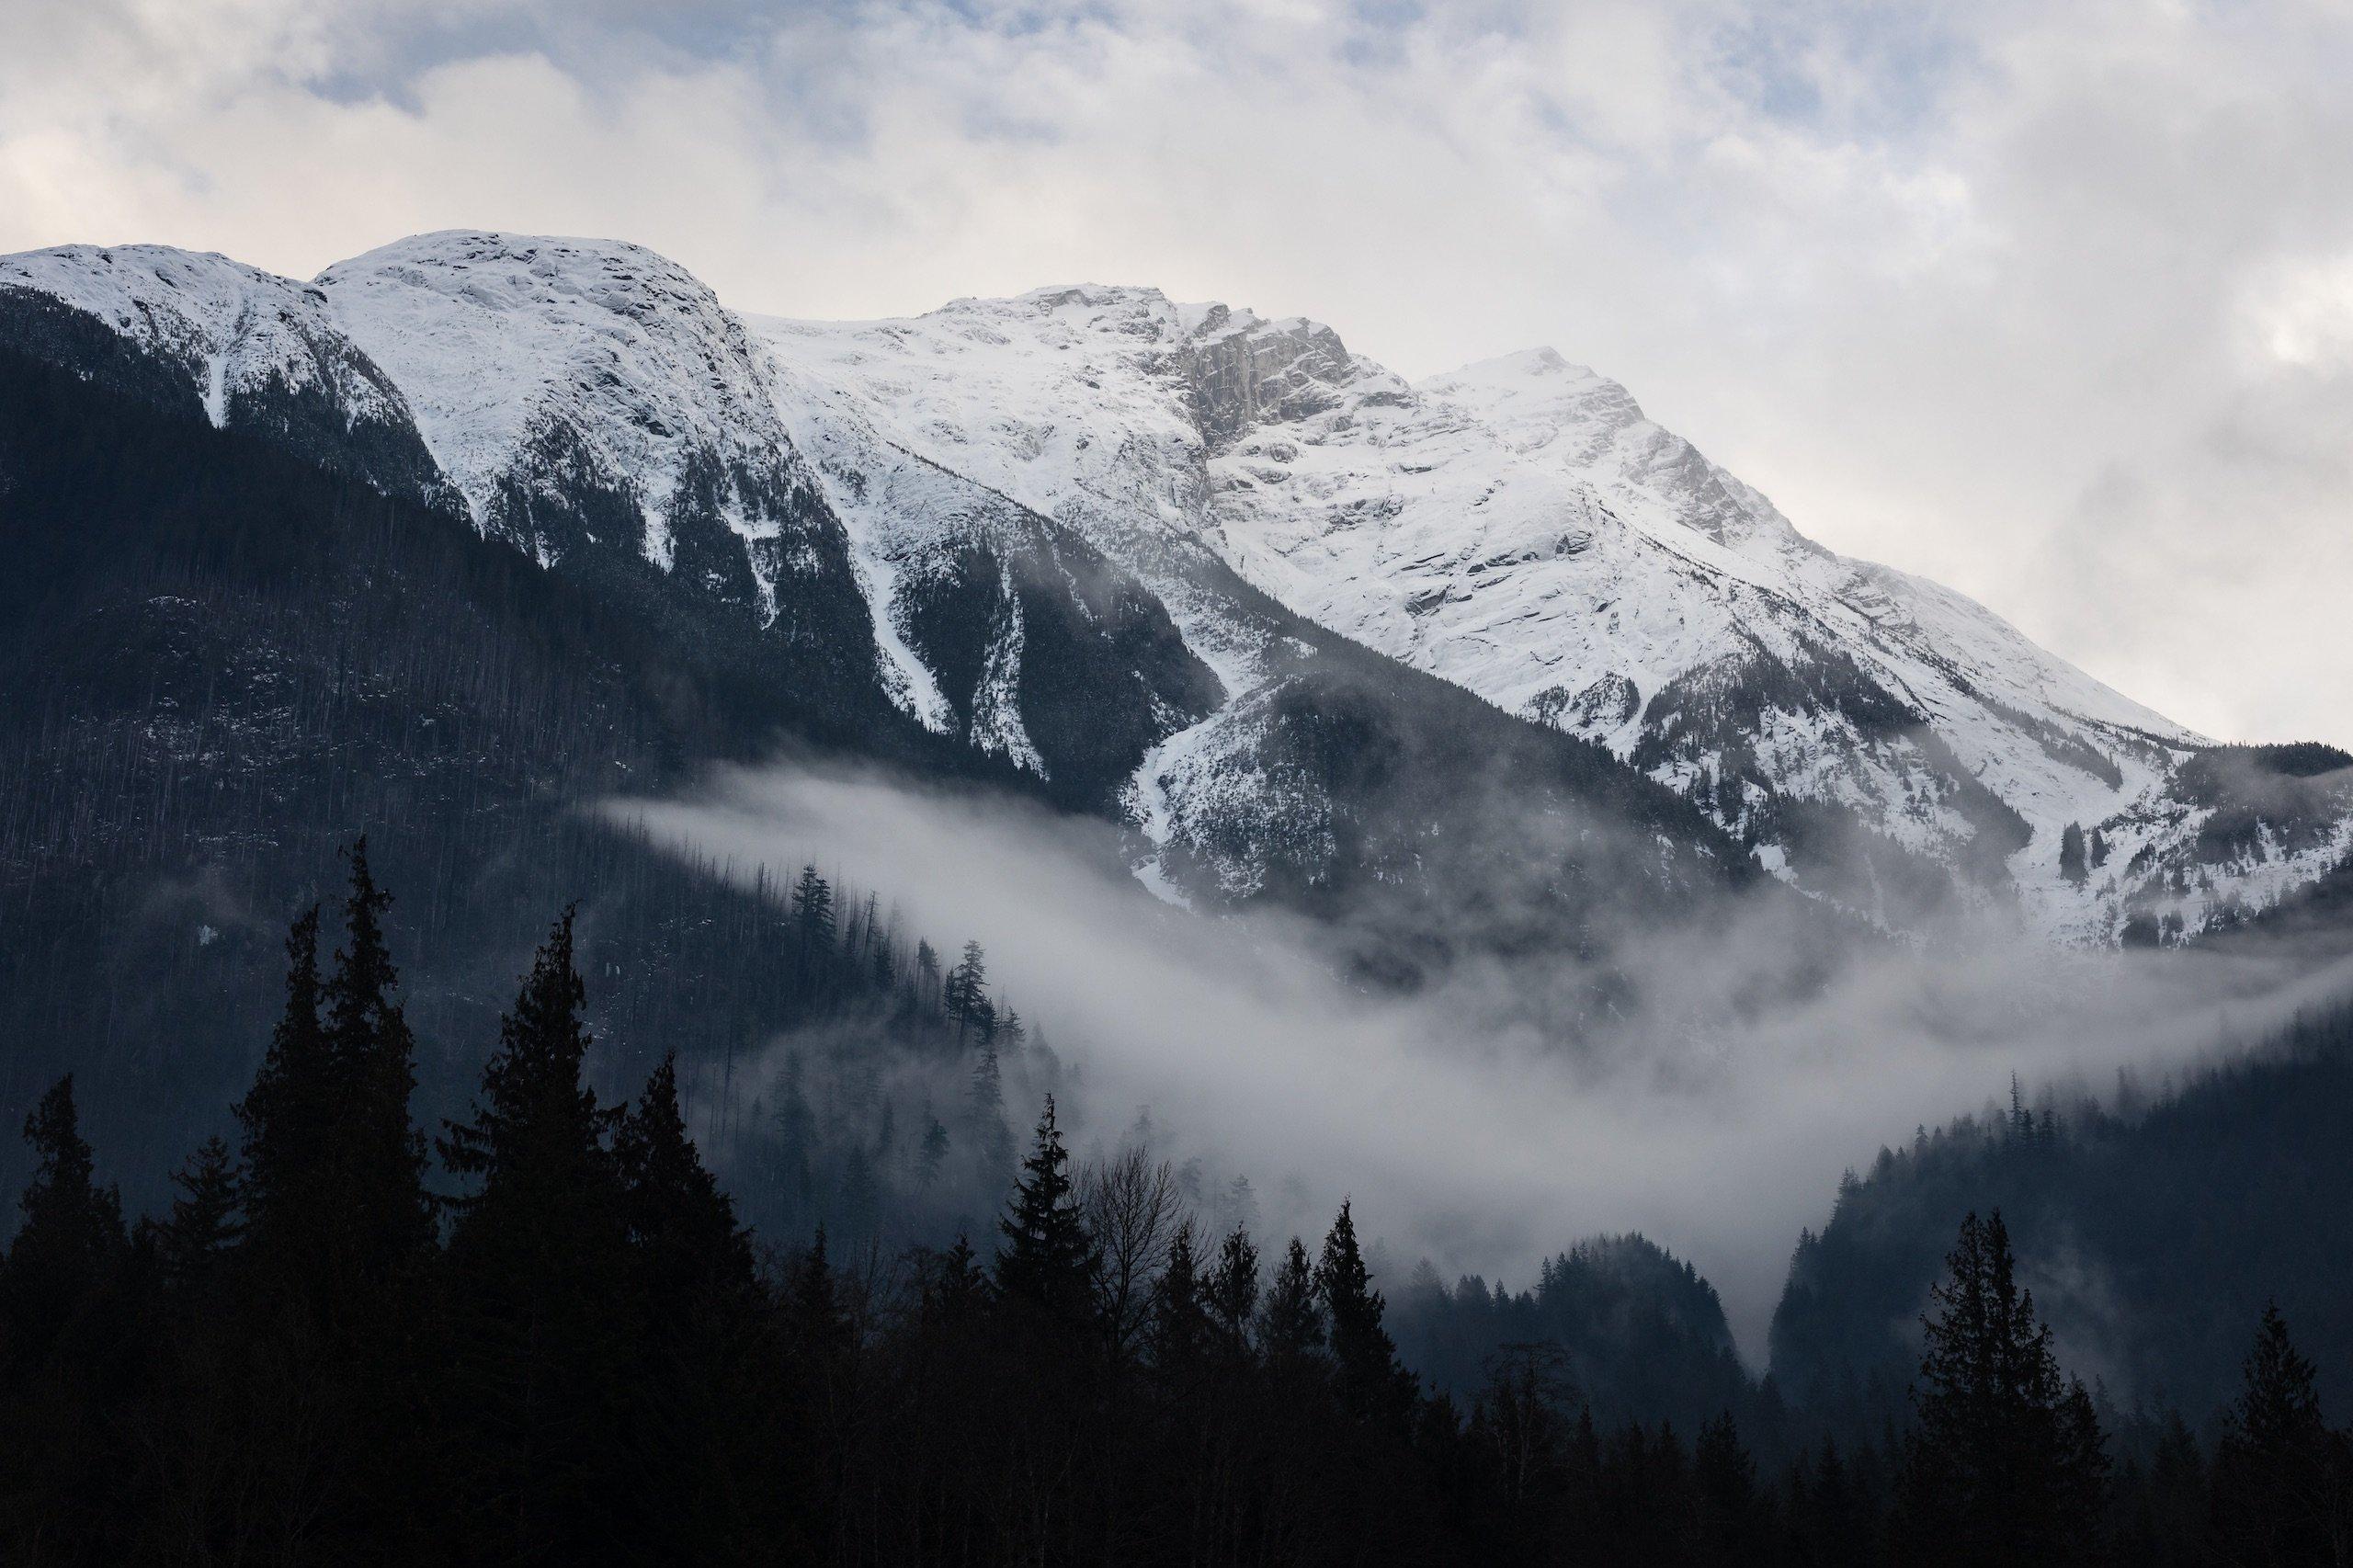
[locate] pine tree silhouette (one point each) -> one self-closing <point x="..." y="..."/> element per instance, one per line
<point x="1046" y="1261"/>
<point x="2275" y="1497"/>
<point x="72" y="1240"/>
<point x="2004" y="1465"/>
<point x="1371" y="1381"/>
<point x="204" y="1224"/>
<point x="538" y="1265"/>
<point x="288" y="1117"/>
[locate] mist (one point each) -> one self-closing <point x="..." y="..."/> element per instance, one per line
<point x="1714" y="1126"/>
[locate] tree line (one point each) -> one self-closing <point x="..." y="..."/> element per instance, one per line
<point x="543" y="1335"/>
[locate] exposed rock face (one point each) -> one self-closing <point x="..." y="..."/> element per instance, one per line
<point x="1243" y="372"/>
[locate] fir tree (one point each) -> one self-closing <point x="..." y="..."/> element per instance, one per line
<point x="290" y="1115"/>
<point x="957" y="1294"/>
<point x="965" y="995"/>
<point x="1180" y="1318"/>
<point x="698" y="1392"/>
<point x="2275" y="1497"/>
<point x="1998" y="1469"/>
<point x="1291" y="1322"/>
<point x="1234" y="1291"/>
<point x="1046" y="1262"/>
<point x="71" y="1240"/>
<point x="694" y="1256"/>
<point x="926" y="976"/>
<point x="540" y="1263"/>
<point x="1372" y="1383"/>
<point x="205" y="1223"/>
<point x="2071" y="853"/>
<point x="812" y="916"/>
<point x="385" y="1219"/>
<point x="932" y="1156"/>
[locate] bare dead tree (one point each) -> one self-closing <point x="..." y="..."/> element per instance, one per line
<point x="1133" y="1207"/>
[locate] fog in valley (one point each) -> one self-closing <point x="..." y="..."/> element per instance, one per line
<point x="1714" y="1126"/>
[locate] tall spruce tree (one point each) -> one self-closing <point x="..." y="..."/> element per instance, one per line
<point x="2278" y="1494"/>
<point x="1291" y="1323"/>
<point x="540" y="1273"/>
<point x="965" y="995"/>
<point x="205" y="1223"/>
<point x="2003" y="1463"/>
<point x="385" y="1221"/>
<point x="1233" y="1292"/>
<point x="1371" y="1381"/>
<point x="1045" y="1264"/>
<point x="692" y="1253"/>
<point x="288" y="1120"/>
<point x="702" y="1388"/>
<point x="812" y="916"/>
<point x="72" y="1240"/>
<point x="1181" y="1328"/>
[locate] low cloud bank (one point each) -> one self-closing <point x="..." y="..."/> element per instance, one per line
<point x="1716" y="1131"/>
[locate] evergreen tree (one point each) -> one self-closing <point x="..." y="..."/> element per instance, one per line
<point x="540" y="1264"/>
<point x="386" y="1220"/>
<point x="1372" y="1383"/>
<point x="932" y="1156"/>
<point x="1180" y="1317"/>
<point x="693" y="1256"/>
<point x="2001" y="1467"/>
<point x="1291" y="1322"/>
<point x="966" y="997"/>
<point x="699" y="1391"/>
<point x="927" y="977"/>
<point x="72" y="1240"/>
<point x="2071" y="853"/>
<point x="812" y="916"/>
<point x="2275" y="1495"/>
<point x="1046" y="1263"/>
<point x="1234" y="1291"/>
<point x="961" y="1289"/>
<point x="796" y="1133"/>
<point x="1731" y="1509"/>
<point x="289" y="1119"/>
<point x="204" y="1224"/>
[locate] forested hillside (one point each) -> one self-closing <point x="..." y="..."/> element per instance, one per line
<point x="2150" y="1227"/>
<point x="220" y="663"/>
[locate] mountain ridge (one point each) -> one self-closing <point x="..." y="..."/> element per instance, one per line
<point x="1517" y="527"/>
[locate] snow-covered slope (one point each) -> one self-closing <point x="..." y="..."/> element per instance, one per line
<point x="254" y="350"/>
<point x="538" y="367"/>
<point x="1521" y="527"/>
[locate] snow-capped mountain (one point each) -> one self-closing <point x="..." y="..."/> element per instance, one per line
<point x="1520" y="528"/>
<point x="254" y="350"/>
<point x="1159" y="556"/>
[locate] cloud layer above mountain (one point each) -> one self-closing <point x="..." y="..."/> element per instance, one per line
<point x="2053" y="303"/>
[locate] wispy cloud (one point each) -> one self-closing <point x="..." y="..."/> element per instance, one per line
<point x="1717" y="1127"/>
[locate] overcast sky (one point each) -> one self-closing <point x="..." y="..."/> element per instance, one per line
<point x="2050" y="301"/>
